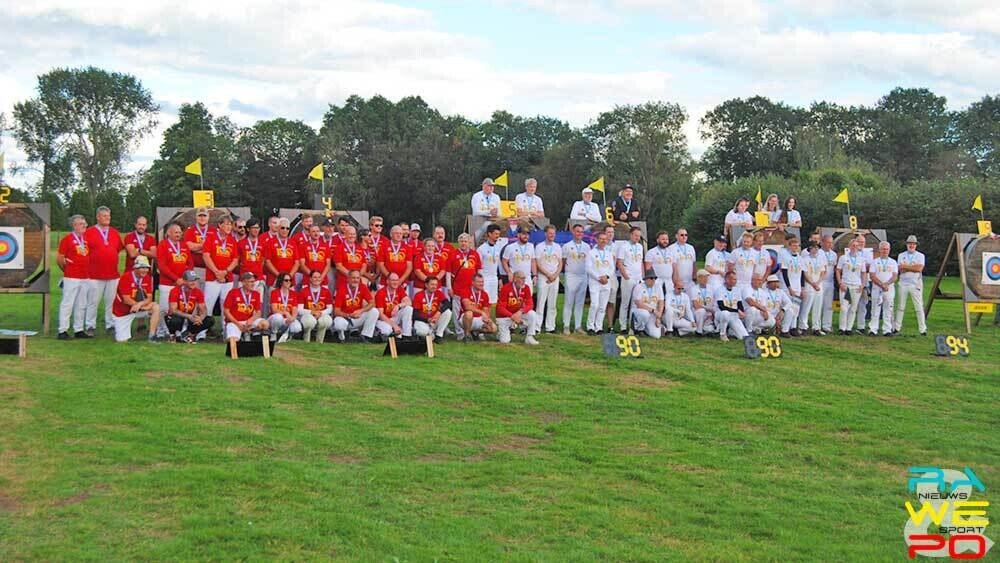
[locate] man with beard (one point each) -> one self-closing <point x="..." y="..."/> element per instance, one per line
<point x="138" y="243"/>
<point x="490" y="253"/>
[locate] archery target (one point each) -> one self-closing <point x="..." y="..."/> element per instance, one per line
<point x="11" y="248"/>
<point x="991" y="268"/>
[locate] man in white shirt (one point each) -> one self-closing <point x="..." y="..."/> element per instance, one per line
<point x="763" y="267"/>
<point x="812" y="289"/>
<point x="660" y="259"/>
<point x="792" y="267"/>
<point x="575" y="253"/>
<point x="490" y="252"/>
<point x="884" y="273"/>
<point x="548" y="264"/>
<point x="629" y="261"/>
<point x="852" y="274"/>
<point x="826" y="249"/>
<point x="485" y="203"/>
<point x="716" y="262"/>
<point x="911" y="284"/>
<point x="528" y="204"/>
<point x="767" y="306"/>
<point x="866" y="292"/>
<point x="600" y="272"/>
<point x="613" y="245"/>
<point x="729" y="313"/>
<point x="743" y="262"/>
<point x="678" y="316"/>
<point x="702" y="304"/>
<point x="684" y="259"/>
<point x="647" y="306"/>
<point x="586" y="211"/>
<point x="519" y="256"/>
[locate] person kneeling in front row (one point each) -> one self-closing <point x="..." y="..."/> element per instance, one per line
<point x="188" y="314"/>
<point x="515" y="308"/>
<point x="242" y="309"/>
<point x="476" y="311"/>
<point x="284" y="308"/>
<point x="134" y="300"/>
<point x="647" y="306"/>
<point x="431" y="310"/>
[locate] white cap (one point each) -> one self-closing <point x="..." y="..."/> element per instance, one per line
<point x="415" y="227"/>
<point x="587" y="191"/>
<point x="772" y="278"/>
<point x="140" y="262"/>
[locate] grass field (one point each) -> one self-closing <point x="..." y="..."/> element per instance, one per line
<point x="555" y="452"/>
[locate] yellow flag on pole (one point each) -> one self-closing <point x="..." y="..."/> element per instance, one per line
<point x="978" y="203"/>
<point x="194" y="167"/>
<point x="842" y="197"/>
<point x="317" y="172"/>
<point x="759" y="198"/>
<point x="501" y="180"/>
<point x="597" y="185"/>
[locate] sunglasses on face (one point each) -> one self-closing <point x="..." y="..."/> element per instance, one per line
<point x="286" y="280"/>
<point x="378" y="226"/>
<point x="282" y="228"/>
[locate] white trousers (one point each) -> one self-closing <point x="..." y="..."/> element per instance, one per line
<point x="849" y="311"/>
<point x="576" y="293"/>
<point x="755" y="322"/>
<point x="492" y="288"/>
<point x="310" y="322"/>
<point x="790" y="315"/>
<point x="365" y="323"/>
<point x="123" y="325"/>
<point x="545" y="303"/>
<point x="403" y="317"/>
<point x="828" y="295"/>
<point x="812" y="304"/>
<point x="625" y="289"/>
<point x="916" y="295"/>
<point x="74" y="302"/>
<point x="456" y="315"/>
<point x="704" y="321"/>
<point x="216" y="292"/>
<point x="599" y="295"/>
<point x="164" y="302"/>
<point x="671" y="323"/>
<point x="505" y="324"/>
<point x="729" y="322"/>
<point x="863" y="308"/>
<point x="642" y="321"/>
<point x="233" y="331"/>
<point x="277" y="322"/>
<point x="420" y="328"/>
<point x="882" y="304"/>
<point x="96" y="290"/>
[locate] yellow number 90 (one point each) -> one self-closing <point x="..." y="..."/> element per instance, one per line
<point x="628" y="346"/>
<point x="769" y="346"/>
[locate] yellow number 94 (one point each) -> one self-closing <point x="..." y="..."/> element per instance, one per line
<point x="628" y="346"/>
<point x="956" y="344"/>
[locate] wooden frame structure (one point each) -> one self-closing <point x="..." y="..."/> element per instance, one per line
<point x="958" y="243"/>
<point x="38" y="281"/>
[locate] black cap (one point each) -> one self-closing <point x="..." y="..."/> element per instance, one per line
<point x="328" y="222"/>
<point x="721" y="238"/>
<point x="627" y="187"/>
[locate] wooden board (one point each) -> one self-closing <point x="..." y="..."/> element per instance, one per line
<point x="15" y="215"/>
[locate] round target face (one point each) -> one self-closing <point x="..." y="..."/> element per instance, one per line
<point x="8" y="248"/>
<point x="773" y="269"/>
<point x="992" y="268"/>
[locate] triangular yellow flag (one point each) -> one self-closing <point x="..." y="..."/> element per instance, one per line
<point x="597" y="184"/>
<point x="760" y="200"/>
<point x="317" y="172"/>
<point x="194" y="167"/>
<point x="842" y="197"/>
<point x="501" y="180"/>
<point x="978" y="203"/>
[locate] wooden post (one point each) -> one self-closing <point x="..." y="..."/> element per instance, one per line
<point x="265" y="343"/>
<point x="232" y="349"/>
<point x="392" y="347"/>
<point x="45" y="264"/>
<point x="430" y="345"/>
<point x="937" y="282"/>
<point x="22" y="346"/>
<point x="961" y="271"/>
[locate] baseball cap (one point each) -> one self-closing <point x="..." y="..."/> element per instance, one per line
<point x="414" y="227"/>
<point x="248" y="276"/>
<point x="627" y="187"/>
<point x="328" y="222"/>
<point x="701" y="272"/>
<point x="772" y="278"/>
<point x="140" y="262"/>
<point x="190" y="275"/>
<point x="202" y="211"/>
<point x="721" y="238"/>
<point x="587" y="191"/>
<point x="911" y="238"/>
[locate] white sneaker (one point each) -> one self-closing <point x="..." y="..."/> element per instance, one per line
<point x="566" y="330"/>
<point x="530" y="340"/>
<point x="723" y="337"/>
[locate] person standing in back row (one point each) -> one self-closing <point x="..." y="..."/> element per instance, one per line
<point x="575" y="254"/>
<point x="106" y="245"/>
<point x="911" y="285"/>
<point x="73" y="258"/>
<point x="548" y="262"/>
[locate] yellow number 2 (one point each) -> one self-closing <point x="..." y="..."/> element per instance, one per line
<point x="4" y="194"/>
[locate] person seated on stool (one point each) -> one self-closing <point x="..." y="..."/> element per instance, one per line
<point x="134" y="300"/>
<point x="284" y="308"/>
<point x="241" y="309"/>
<point x="188" y="314"/>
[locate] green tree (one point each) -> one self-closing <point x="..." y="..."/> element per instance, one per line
<point x="515" y="143"/>
<point x="750" y="137"/>
<point x="978" y="133"/>
<point x="277" y="156"/>
<point x="93" y="116"/>
<point x="913" y="133"/>
<point x="566" y="168"/>
<point x="39" y="137"/>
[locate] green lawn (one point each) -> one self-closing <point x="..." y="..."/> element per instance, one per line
<point x="485" y="453"/>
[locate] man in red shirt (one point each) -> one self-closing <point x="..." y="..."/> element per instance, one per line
<point x="476" y="311"/>
<point x="431" y="310"/>
<point x="329" y="236"/>
<point x="370" y="275"/>
<point x="315" y="306"/>
<point x="280" y="254"/>
<point x="395" y="314"/>
<point x="105" y="245"/>
<point x="273" y="223"/>
<point x="284" y="309"/>
<point x="428" y="264"/>
<point x="173" y="259"/>
<point x="302" y="233"/>
<point x="355" y="309"/>
<point x="314" y="253"/>
<point x="251" y="255"/>
<point x="413" y="238"/>
<point x="348" y="258"/>
<point x="73" y="257"/>
<point x="134" y="300"/>
<point x="138" y="243"/>
<point x="515" y="308"/>
<point x="375" y="226"/>
<point x="188" y="315"/>
<point x="463" y="264"/>
<point x="221" y="255"/>
<point x="441" y="245"/>
<point x="395" y="257"/>
<point x="241" y="309"/>
<point x="195" y="237"/>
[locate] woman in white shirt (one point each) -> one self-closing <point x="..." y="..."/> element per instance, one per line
<point x="772" y="205"/>
<point x="739" y="216"/>
<point x="789" y="215"/>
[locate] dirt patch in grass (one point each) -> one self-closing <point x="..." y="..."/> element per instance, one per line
<point x="9" y="503"/>
<point x="297" y="358"/>
<point x="549" y="417"/>
<point x="81" y="496"/>
<point x="516" y="443"/>
<point x="342" y="378"/>
<point x="186" y="374"/>
<point x="345" y="459"/>
<point x="431" y="458"/>
<point x="891" y="400"/>
<point x="645" y="380"/>
<point x="253" y="427"/>
<point x="236" y="379"/>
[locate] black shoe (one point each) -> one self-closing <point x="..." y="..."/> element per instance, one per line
<point x="923" y="334"/>
<point x="364" y="339"/>
<point x="590" y="332"/>
<point x="90" y="333"/>
<point x="872" y="334"/>
<point x="785" y="335"/>
<point x="63" y="336"/>
<point x="887" y="334"/>
<point x="622" y="331"/>
<point x="81" y="334"/>
<point x="438" y="340"/>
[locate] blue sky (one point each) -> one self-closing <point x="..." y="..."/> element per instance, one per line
<point x="569" y="59"/>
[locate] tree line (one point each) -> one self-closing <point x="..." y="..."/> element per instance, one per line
<point x="407" y="161"/>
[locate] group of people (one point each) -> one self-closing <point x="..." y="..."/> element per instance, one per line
<point x="332" y="278"/>
<point x="779" y="215"/>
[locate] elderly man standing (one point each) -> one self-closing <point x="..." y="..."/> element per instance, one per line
<point x="911" y="285"/>
<point x="105" y="246"/>
<point x="575" y="254"/>
<point x="548" y="262"/>
<point x="625" y="207"/>
<point x="884" y="273"/>
<point x="485" y="203"/>
<point x="528" y="204"/>
<point x="73" y="257"/>
<point x="586" y="210"/>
